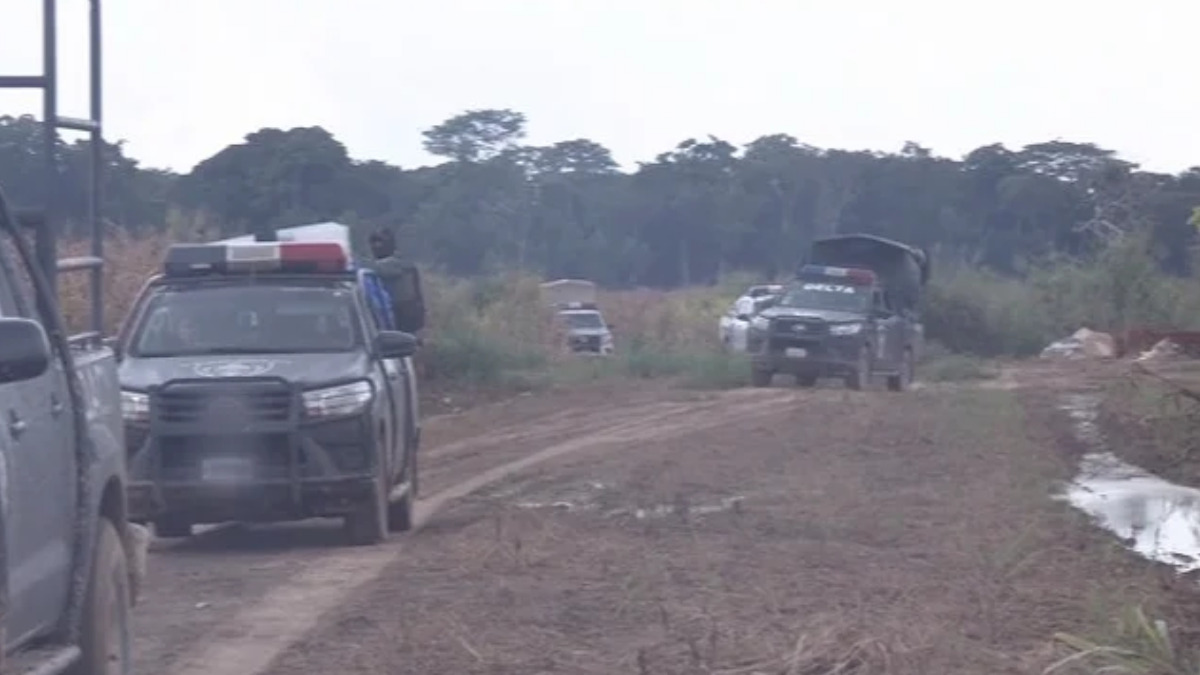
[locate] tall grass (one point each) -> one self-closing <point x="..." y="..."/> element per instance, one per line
<point x="483" y="330"/>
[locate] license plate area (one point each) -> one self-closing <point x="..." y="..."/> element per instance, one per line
<point x="795" y="352"/>
<point x="226" y="469"/>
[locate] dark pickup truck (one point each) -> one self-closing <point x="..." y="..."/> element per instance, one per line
<point x="260" y="382"/>
<point x="851" y="312"/>
<point x="70" y="561"/>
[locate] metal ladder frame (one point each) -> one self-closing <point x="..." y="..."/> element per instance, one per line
<point x="45" y="224"/>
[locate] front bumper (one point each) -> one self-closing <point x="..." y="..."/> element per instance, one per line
<point x="823" y="356"/>
<point x="589" y="344"/>
<point x="271" y="464"/>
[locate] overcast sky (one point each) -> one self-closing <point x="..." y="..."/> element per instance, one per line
<point x="185" y="78"/>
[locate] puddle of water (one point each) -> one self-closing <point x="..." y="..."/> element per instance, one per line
<point x="1156" y="518"/>
<point x="664" y="510"/>
<point x="586" y="497"/>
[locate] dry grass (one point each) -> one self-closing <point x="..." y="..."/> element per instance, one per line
<point x="1153" y="425"/>
<point x="488" y="331"/>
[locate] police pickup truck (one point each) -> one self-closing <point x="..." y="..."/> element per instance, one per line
<point x="853" y="311"/>
<point x="261" y="382"/>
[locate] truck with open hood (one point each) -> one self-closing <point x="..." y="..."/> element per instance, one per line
<point x="852" y="311"/>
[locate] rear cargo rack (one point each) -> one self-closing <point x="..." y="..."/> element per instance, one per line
<point x="44" y="222"/>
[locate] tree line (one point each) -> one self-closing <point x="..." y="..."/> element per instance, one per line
<point x="694" y="212"/>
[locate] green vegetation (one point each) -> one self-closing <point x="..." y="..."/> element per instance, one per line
<point x="1028" y="244"/>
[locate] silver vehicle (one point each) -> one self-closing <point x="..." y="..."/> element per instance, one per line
<point x="587" y="332"/>
<point x="735" y="322"/>
<point x="574" y="303"/>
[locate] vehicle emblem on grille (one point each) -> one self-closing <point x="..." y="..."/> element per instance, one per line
<point x="239" y="368"/>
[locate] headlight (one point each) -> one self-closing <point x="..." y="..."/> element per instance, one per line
<point x="340" y="401"/>
<point x="135" y="406"/>
<point x="845" y="329"/>
<point x="760" y="323"/>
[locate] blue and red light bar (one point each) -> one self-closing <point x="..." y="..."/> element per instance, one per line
<point x="851" y="274"/>
<point x="256" y="258"/>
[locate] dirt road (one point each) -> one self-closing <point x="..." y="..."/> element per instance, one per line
<point x="657" y="531"/>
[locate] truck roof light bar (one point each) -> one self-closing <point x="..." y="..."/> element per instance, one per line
<point x="255" y="258"/>
<point x="854" y="275"/>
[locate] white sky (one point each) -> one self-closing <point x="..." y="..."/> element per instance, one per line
<point x="185" y="78"/>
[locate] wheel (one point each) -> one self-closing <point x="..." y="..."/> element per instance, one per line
<point x="400" y="511"/>
<point x="367" y="525"/>
<point x="806" y="380"/>
<point x="761" y="378"/>
<point x="902" y="380"/>
<point x="104" y="637"/>
<point x="861" y="377"/>
<point x="415" y="475"/>
<point x="172" y="527"/>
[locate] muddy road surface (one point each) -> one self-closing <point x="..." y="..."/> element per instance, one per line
<point x="650" y="530"/>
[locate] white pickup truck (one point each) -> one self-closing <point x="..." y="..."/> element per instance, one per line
<point x="735" y="322"/>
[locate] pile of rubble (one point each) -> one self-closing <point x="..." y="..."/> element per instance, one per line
<point x="1089" y="344"/>
<point x="1163" y="350"/>
<point x="1083" y="344"/>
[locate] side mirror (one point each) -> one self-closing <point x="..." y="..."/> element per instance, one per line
<point x="743" y="317"/>
<point x="24" y="350"/>
<point x="394" y="344"/>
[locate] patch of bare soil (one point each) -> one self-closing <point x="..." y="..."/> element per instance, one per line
<point x="221" y="601"/>
<point x="797" y="531"/>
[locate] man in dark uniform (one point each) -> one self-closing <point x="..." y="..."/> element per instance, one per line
<point x="401" y="279"/>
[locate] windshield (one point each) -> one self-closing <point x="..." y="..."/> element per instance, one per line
<point x="827" y="295"/>
<point x="258" y="319"/>
<point x="584" y="320"/>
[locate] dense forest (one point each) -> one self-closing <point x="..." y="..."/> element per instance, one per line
<point x="695" y="211"/>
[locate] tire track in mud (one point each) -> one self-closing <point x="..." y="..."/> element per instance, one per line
<point x="248" y="642"/>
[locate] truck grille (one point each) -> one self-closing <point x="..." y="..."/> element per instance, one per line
<point x="797" y="327"/>
<point x="182" y="457"/>
<point x="223" y="404"/>
<point x="589" y="343"/>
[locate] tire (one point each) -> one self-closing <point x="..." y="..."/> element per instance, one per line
<point x="367" y="525"/>
<point x="806" y="380"/>
<point x="861" y="377"/>
<point x="104" y="634"/>
<point x="761" y="378"/>
<point x="172" y="527"/>
<point x="400" y="511"/>
<point x="902" y="380"/>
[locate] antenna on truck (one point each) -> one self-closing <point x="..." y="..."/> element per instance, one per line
<point x="45" y="226"/>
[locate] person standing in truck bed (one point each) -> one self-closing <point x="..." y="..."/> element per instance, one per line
<point x="401" y="279"/>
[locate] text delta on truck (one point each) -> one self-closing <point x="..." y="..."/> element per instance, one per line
<point x="262" y="382"/>
<point x="68" y="557"/>
<point x="852" y="312"/>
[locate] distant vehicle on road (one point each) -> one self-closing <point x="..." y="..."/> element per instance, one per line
<point x="574" y="301"/>
<point x="734" y="324"/>
<point x="852" y="312"/>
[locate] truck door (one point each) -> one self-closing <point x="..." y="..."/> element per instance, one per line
<point x="37" y="438"/>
